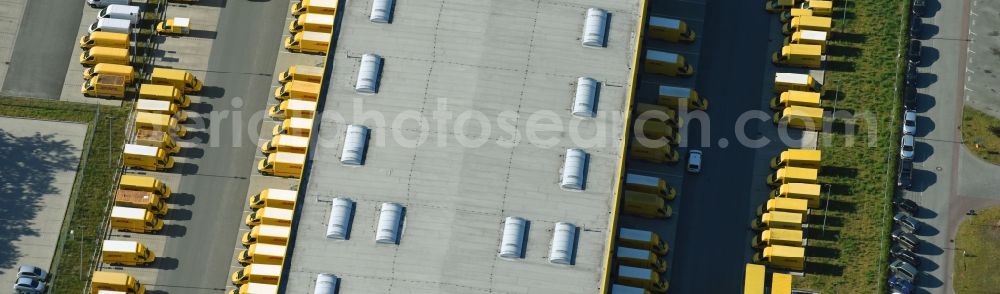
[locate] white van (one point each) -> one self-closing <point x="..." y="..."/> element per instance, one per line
<point x="105" y="3"/>
<point x="113" y="25"/>
<point x="126" y="12"/>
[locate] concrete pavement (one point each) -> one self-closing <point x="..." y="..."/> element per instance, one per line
<point x="10" y="24"/>
<point x="41" y="52"/>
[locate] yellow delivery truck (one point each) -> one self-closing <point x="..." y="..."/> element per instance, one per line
<point x="790" y="174"/>
<point x="141" y="199"/>
<point x="282" y="164"/>
<point x="112" y="281"/>
<point x="99" y="54"/>
<point x="640" y="258"/>
<point x="778" y="219"/>
<point x="792" y="13"/>
<point x="159" y="122"/>
<point x="793" y="81"/>
<point x="262" y="254"/>
<point x="774" y="6"/>
<point x="754" y="280"/>
<point x="315" y="6"/>
<point x="295" y="126"/>
<point x="674" y="97"/>
<point x="270" y="216"/>
<point x="180" y="79"/>
<point x="781" y="283"/>
<point x="809" y="38"/>
<point x="298" y="90"/>
<point x="785" y="257"/>
<point x="257" y="273"/>
<point x="658" y="112"/>
<point x="667" y="63"/>
<point x="138" y="220"/>
<point x="662" y="154"/>
<point x="104" y="39"/>
<point x="669" y="29"/>
<point x="312" y="22"/>
<point x="109" y="69"/>
<point x="130" y="253"/>
<point x="642" y="278"/>
<point x="255" y="288"/>
<point x="302" y="73"/>
<point x="799" y="55"/>
<point x="649" y="184"/>
<point x="807" y="158"/>
<point x="777" y="237"/>
<point x="800" y="117"/>
<point x="165" y="93"/>
<point x="809" y="192"/>
<point x="818" y="7"/>
<point x="645" y="205"/>
<point x="784" y="204"/>
<point x="147" y="157"/>
<point x="293" y="108"/>
<point x="795" y="98"/>
<point x="276" y="198"/>
<point x="144" y="183"/>
<point x="642" y="239"/>
<point x="161" y="107"/>
<point x="266" y="234"/>
<point x="657" y="130"/>
<point x="104" y="86"/>
<point x="308" y="42"/>
<point x="812" y="23"/>
<point x="285" y="143"/>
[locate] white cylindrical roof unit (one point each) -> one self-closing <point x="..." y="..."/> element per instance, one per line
<point x="512" y="244"/>
<point x="561" y="249"/>
<point x="325" y="284"/>
<point x="572" y="176"/>
<point x="388" y="223"/>
<point x="340" y="218"/>
<point x="595" y="28"/>
<point x="381" y="10"/>
<point x="368" y="74"/>
<point x="354" y="145"/>
<point x="586" y="95"/>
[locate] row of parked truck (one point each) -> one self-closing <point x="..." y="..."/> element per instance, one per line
<point x="796" y="102"/>
<point x="781" y="219"/>
<point x="311" y="26"/>
<point x="266" y="242"/>
<point x="298" y="98"/>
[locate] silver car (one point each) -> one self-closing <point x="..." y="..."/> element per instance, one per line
<point x="909" y="122"/>
<point x="906" y="147"/>
<point x="907" y="222"/>
<point x="28" y="286"/>
<point x="32" y="272"/>
<point x="904" y="270"/>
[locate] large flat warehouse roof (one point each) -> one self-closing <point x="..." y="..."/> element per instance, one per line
<point x="464" y="75"/>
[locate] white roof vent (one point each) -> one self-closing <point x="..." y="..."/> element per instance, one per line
<point x="389" y="220"/>
<point x="381" y="11"/>
<point x="512" y="244"/>
<point x="325" y="284"/>
<point x="586" y="95"/>
<point x="595" y="28"/>
<point x="572" y="177"/>
<point x="563" y="237"/>
<point x="340" y="218"/>
<point x="368" y="74"/>
<point x="354" y="145"/>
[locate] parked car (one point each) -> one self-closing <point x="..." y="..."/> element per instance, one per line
<point x="919" y="8"/>
<point x="911" y="74"/>
<point x="28" y="286"/>
<point x="910" y="98"/>
<point x="913" y="52"/>
<point x="906" y="222"/>
<point x="694" y="161"/>
<point x="909" y="122"/>
<point x="907" y="240"/>
<point x="898" y="252"/>
<point x="906" y="147"/>
<point x="906" y="205"/>
<point x="904" y="178"/>
<point x="904" y="270"/>
<point x="900" y="285"/>
<point x="915" y="24"/>
<point x="33" y="272"/>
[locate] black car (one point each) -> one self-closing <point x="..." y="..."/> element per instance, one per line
<point x="911" y="74"/>
<point x="915" y="24"/>
<point x="913" y="52"/>
<point x="905" y="175"/>
<point x="907" y="240"/>
<point x="901" y="253"/>
<point x="906" y="205"/>
<point x="919" y="7"/>
<point x="910" y="98"/>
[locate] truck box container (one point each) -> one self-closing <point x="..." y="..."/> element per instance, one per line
<point x="649" y="184"/>
<point x="282" y="164"/>
<point x="130" y="253"/>
<point x="109" y="86"/>
<point x="799" y="55"/>
<point x="807" y="158"/>
<point x="312" y="22"/>
<point x="112" y="281"/>
<point x="784" y="257"/>
<point x="780" y="220"/>
<point x="255" y="288"/>
<point x="302" y="73"/>
<point x="257" y="273"/>
<point x="792" y="81"/>
<point x="787" y="175"/>
<point x="262" y="254"/>
<point x="781" y="283"/>
<point x="267" y="234"/>
<point x="142" y="200"/>
<point x="285" y="143"/>
<point x="161" y="107"/>
<point x="295" y="126"/>
<point x="795" y="98"/>
<point x="110" y="69"/>
<point x="144" y="183"/>
<point x="809" y="192"/>
<point x="812" y="23"/>
<point x="308" y="42"/>
<point x="642" y="239"/>
<point x="159" y="122"/>
<point x="147" y="157"/>
<point x="165" y="93"/>
<point x="293" y="108"/>
<point x="104" y="39"/>
<point x="641" y="277"/>
<point x="180" y="79"/>
<point x="754" y="279"/>
<point x="669" y="29"/>
<point x="298" y="90"/>
<point x="674" y="97"/>
<point x="809" y="38"/>
<point x="112" y="55"/>
<point x="640" y="258"/>
<point x="314" y="6"/>
<point x="667" y="63"/>
<point x="800" y="117"/>
<point x="662" y="154"/>
<point x="270" y="216"/>
<point x="784" y="204"/>
<point x="276" y="198"/>
<point x="138" y="220"/>
<point x="787" y="237"/>
<point x="645" y="205"/>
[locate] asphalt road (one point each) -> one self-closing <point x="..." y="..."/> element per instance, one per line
<point x="712" y="237"/>
<point x="240" y="66"/>
<point x="41" y="52"/>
